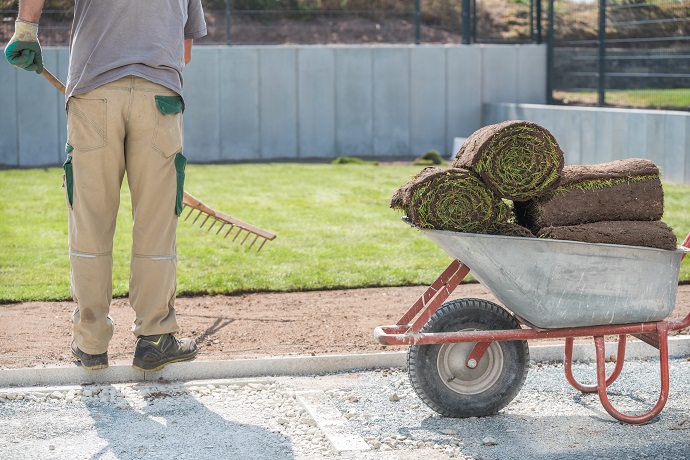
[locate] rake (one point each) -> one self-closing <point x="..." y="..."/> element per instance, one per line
<point x="226" y="224"/>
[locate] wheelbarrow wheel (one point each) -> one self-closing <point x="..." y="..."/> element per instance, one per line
<point x="439" y="374"/>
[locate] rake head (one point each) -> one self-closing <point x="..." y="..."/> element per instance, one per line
<point x="225" y="223"/>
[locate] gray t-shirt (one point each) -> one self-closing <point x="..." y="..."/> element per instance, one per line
<point x="115" y="38"/>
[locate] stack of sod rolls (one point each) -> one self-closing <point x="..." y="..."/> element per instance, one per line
<point x="498" y="163"/>
<point x="510" y="179"/>
<point x="620" y="202"/>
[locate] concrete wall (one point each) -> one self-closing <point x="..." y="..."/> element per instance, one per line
<point x="598" y="135"/>
<point x="262" y="103"/>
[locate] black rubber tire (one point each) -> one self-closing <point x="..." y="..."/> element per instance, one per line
<point x="438" y="373"/>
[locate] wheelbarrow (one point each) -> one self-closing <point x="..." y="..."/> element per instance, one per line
<point x="469" y="357"/>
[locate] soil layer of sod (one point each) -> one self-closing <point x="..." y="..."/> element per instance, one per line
<point x="654" y="234"/>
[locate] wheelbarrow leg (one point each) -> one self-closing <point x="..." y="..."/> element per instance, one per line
<point x="663" y="396"/>
<point x="568" y="365"/>
<point x="434" y="296"/>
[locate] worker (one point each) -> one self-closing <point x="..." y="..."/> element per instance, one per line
<point x="124" y="115"/>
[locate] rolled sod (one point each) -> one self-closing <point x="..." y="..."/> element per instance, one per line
<point x="516" y="159"/>
<point x="621" y="190"/>
<point x="654" y="234"/>
<point x="451" y="199"/>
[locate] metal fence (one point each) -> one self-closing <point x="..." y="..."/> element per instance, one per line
<point x="271" y="22"/>
<point x="623" y="53"/>
<point x="626" y="53"/>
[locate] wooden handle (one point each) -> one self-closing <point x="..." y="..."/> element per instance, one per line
<point x="53" y="80"/>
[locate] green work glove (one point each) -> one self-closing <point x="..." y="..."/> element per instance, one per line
<point x="23" y="49"/>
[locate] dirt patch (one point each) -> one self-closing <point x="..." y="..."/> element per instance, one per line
<point x="233" y="327"/>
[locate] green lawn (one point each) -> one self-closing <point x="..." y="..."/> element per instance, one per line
<point x="641" y="98"/>
<point x="334" y="227"/>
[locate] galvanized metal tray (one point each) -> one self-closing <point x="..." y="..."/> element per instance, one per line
<point x="557" y="283"/>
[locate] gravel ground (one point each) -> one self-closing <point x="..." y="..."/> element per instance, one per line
<point x="263" y="419"/>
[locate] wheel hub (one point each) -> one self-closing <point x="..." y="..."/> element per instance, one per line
<point x="470" y="379"/>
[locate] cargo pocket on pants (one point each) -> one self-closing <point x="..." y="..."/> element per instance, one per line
<point x="167" y="137"/>
<point x="180" y="164"/>
<point x="87" y="123"/>
<point x="69" y="176"/>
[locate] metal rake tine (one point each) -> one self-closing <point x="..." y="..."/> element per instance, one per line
<point x="262" y="244"/>
<point x="197" y="217"/>
<point x="205" y="220"/>
<point x="245" y="237"/>
<point x="222" y="224"/>
<point x="253" y="241"/>
<point x="237" y="234"/>
<point x="215" y="219"/>
<point x="189" y="213"/>
<point x="231" y="227"/>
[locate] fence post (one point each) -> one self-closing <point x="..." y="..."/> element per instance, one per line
<point x="549" y="56"/>
<point x="601" y="45"/>
<point x="227" y="22"/>
<point x="417" y="22"/>
<point x="466" y="35"/>
<point x="539" y="13"/>
<point x="473" y="15"/>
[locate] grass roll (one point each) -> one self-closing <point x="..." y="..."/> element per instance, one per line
<point x="452" y="199"/>
<point x="516" y="159"/>
<point x="622" y="190"/>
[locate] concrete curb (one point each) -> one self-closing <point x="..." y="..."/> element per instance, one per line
<point x="292" y="365"/>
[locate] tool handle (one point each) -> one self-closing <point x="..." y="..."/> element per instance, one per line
<point x="53" y="80"/>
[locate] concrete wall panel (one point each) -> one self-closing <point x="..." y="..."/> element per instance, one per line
<point x="464" y="92"/>
<point x="499" y="70"/>
<point x="316" y="101"/>
<point x="278" y="102"/>
<point x="354" y="87"/>
<point x="9" y="124"/>
<point x="391" y="101"/>
<point x="37" y="120"/>
<point x="655" y="143"/>
<point x="530" y="78"/>
<point x="239" y="106"/>
<point x="675" y="138"/>
<point x="427" y="100"/>
<point x="202" y="108"/>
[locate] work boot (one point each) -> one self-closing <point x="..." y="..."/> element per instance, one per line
<point x="90" y="362"/>
<point x="153" y="352"/>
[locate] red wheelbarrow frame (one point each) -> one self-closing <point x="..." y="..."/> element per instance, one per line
<point x="407" y="332"/>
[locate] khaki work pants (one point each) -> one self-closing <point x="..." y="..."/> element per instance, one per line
<point x="133" y="126"/>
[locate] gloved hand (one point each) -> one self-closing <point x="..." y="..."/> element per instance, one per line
<point x="23" y="49"/>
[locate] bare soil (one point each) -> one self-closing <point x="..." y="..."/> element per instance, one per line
<point x="234" y="327"/>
